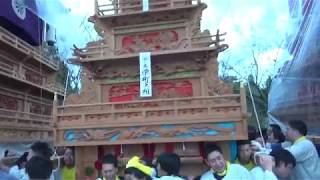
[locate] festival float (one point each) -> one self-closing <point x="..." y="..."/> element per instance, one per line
<point x="28" y="75"/>
<point x="150" y="85"/>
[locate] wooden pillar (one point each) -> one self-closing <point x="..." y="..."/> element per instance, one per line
<point x="85" y="156"/>
<point x="203" y="86"/>
<point x="116" y="6"/>
<point x="225" y="147"/>
<point x="96" y="8"/>
<point x="244" y="108"/>
<point x="55" y="118"/>
<point x="79" y="158"/>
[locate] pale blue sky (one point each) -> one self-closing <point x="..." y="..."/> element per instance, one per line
<point x="251" y="25"/>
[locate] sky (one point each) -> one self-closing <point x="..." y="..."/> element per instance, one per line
<point x="256" y="27"/>
<point x="252" y="26"/>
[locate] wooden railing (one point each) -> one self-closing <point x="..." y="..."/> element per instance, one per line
<point x="131" y="6"/>
<point x="19" y="71"/>
<point x="158" y="121"/>
<point x="151" y="110"/>
<point x="204" y="41"/>
<point x="104" y="51"/>
<point x="55" y="88"/>
<point x="17" y="119"/>
<point x="22" y="96"/>
<point x="26" y="48"/>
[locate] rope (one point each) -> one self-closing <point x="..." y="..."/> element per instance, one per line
<point x="55" y="156"/>
<point x="256" y="114"/>
<point x="66" y="87"/>
<point x="40" y="64"/>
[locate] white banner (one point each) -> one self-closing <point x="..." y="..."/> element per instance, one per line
<point x="145" y="5"/>
<point x="145" y="74"/>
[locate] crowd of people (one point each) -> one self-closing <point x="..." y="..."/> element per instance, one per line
<point x="278" y="159"/>
<point x="37" y="164"/>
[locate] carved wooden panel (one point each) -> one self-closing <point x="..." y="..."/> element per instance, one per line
<point x="7" y="102"/>
<point x="24" y="71"/>
<point x="38" y="108"/>
<point x="159" y="133"/>
<point x="162" y="68"/>
<point x="161" y="89"/>
<point x="15" y="135"/>
<point x="151" y="113"/>
<point x="34" y="77"/>
<point x="19" y="101"/>
<point x="24" y="47"/>
<point x="151" y="41"/>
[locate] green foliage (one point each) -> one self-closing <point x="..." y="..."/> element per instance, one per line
<point x="62" y="73"/>
<point x="89" y="171"/>
<point x="73" y="85"/>
<point x="260" y="96"/>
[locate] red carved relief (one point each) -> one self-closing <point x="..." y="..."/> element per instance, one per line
<point x="122" y="93"/>
<point x="8" y="103"/>
<point x="33" y="77"/>
<point x="154" y="41"/>
<point x="37" y="108"/>
<point x="162" y="89"/>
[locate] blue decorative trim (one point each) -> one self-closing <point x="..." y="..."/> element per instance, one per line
<point x="233" y="150"/>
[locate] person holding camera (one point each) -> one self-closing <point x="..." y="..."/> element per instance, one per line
<point x="278" y="165"/>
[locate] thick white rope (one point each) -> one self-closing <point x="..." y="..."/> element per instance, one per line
<point x="256" y="114"/>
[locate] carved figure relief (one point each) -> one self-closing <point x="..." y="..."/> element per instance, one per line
<point x="215" y="85"/>
<point x="150" y="132"/>
<point x="33" y="77"/>
<point x="166" y="69"/>
<point x="162" y="89"/>
<point x="152" y="41"/>
<point x="7" y="102"/>
<point x="23" y="135"/>
<point x="37" y="108"/>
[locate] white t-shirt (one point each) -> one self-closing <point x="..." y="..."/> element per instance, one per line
<point x="21" y="174"/>
<point x="259" y="174"/>
<point x="308" y="164"/>
<point x="236" y="172"/>
<point x="169" y="178"/>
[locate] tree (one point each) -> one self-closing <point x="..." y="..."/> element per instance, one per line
<point x="73" y="80"/>
<point x="260" y="97"/>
